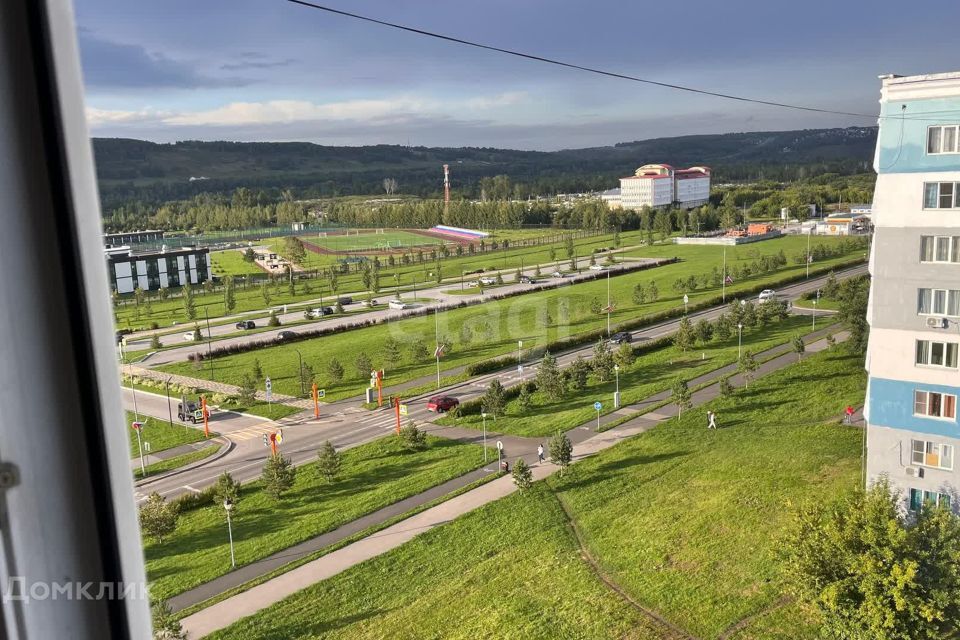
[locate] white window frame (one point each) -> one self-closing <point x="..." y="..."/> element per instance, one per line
<point x="953" y="249"/>
<point x="941" y="128"/>
<point x="948" y="296"/>
<point x="924" y="493"/>
<point x="926" y="347"/>
<point x="954" y="196"/>
<point x="919" y="456"/>
<point x="927" y="397"/>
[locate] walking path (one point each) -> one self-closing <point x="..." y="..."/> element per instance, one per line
<point x="587" y="443"/>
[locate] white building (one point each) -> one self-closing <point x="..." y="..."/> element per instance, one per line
<point x="913" y="429"/>
<point x="660" y="185"/>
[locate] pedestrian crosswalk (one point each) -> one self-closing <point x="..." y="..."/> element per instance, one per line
<point x="251" y="432"/>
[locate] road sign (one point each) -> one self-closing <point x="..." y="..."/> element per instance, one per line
<point x="136" y="426"/>
<point x="321" y="393"/>
<point x="266" y="440"/>
<point x="268" y="384"/>
<point x="403" y="409"/>
<point x="146" y="447"/>
<point x="597" y="405"/>
<point x="500" y="445"/>
<point x="279" y="436"/>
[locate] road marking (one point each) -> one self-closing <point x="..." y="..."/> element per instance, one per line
<point x="189" y="488"/>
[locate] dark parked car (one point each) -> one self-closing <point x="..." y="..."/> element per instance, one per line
<point x="246" y="324"/>
<point x="526" y="280"/>
<point x="345" y="300"/>
<point x="441" y="404"/>
<point x="286" y="335"/>
<point x="621" y="337"/>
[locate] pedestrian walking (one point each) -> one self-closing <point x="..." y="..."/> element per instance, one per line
<point x="848" y="414"/>
<point x="711" y="420"/>
<point x="540" y="452"/>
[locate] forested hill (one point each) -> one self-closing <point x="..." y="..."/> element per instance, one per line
<point x="148" y="172"/>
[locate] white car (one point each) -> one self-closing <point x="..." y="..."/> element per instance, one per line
<point x="399" y="304"/>
<point x="488" y="281"/>
<point x="556" y="274"/>
<point x="473" y="283"/>
<point x="597" y="267"/>
<point x="190" y="336"/>
<point x="767" y="294"/>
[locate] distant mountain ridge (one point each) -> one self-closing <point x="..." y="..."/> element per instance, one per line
<point x="151" y="172"/>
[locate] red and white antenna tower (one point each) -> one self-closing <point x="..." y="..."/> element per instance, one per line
<point x="446" y="184"/>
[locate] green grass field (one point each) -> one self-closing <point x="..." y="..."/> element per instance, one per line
<point x="176" y="462"/>
<point x="650" y="374"/>
<point x="160" y="434"/>
<point x="231" y="263"/>
<point x="685" y="521"/>
<point x="495" y="327"/>
<point x="372" y="476"/>
<point x="415" y="275"/>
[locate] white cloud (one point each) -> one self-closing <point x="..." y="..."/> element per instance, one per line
<point x="379" y="111"/>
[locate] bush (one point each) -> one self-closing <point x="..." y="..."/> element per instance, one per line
<point x="412" y="437"/>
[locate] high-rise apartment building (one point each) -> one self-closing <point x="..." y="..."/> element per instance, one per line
<point x="660" y="185"/>
<point x="913" y="434"/>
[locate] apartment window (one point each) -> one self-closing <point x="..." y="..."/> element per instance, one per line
<point x="940" y="249"/>
<point x="942" y="139"/>
<point x="931" y="454"/>
<point x="920" y="498"/>
<point x="938" y="302"/>
<point x="941" y="195"/>
<point x="937" y="354"/>
<point x="932" y="404"/>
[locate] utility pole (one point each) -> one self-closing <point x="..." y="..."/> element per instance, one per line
<point x="723" y="296"/>
<point x="209" y="349"/>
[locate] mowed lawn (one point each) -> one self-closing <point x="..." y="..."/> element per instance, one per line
<point x="230" y="262"/>
<point x="494" y="327"/>
<point x="160" y="434"/>
<point x="367" y="239"/>
<point x="684" y="520"/>
<point x="372" y="476"/>
<point x="650" y="374"/>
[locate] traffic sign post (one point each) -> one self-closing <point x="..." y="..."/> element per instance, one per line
<point x="499" y="454"/>
<point x="399" y="409"/>
<point x="268" y="388"/>
<point x="206" y="416"/>
<point x="598" y="406"/>
<point x="316" y="402"/>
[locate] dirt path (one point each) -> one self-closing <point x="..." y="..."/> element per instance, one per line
<point x="669" y="630"/>
<point x="740" y="625"/>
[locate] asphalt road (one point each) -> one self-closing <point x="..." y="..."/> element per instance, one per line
<point x="347" y="424"/>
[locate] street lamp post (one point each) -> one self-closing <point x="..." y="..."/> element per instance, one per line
<point x="436" y="334"/>
<point x="228" y="507"/>
<point x="519" y="363"/>
<point x="723" y="287"/>
<point x="166" y="384"/>
<point x="209" y="348"/>
<point x="739" y="340"/>
<point x="300" y="358"/>
<point x="809" y="233"/>
<point x="814" y="326"/>
<point x="616" y="395"/>
<point x="484" y="416"/>
<point x="396" y="278"/>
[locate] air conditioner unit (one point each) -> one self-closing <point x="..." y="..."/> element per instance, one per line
<point x="937" y="323"/>
<point x="915" y="472"/>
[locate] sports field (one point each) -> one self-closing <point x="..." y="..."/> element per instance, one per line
<point x="371" y="240"/>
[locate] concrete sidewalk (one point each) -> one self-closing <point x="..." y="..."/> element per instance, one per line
<point x="262" y="596"/>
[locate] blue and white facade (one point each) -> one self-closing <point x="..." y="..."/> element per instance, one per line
<point x="913" y="433"/>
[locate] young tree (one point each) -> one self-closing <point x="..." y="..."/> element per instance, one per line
<point x="307" y="376"/>
<point x="494" y="401"/>
<point x="525" y="398"/>
<point x="602" y="361"/>
<point x="155" y="341"/>
<point x="419" y="350"/>
<point x="328" y="462"/>
<point x="726" y="389"/>
<point x="273" y="320"/>
<point x="548" y="378"/>
<point x="335" y="370"/>
<point x="747" y="366"/>
<point x="499" y="279"/>
<point x="166" y="626"/>
<point x="568" y="245"/>
<point x="624" y="355"/>
<point x="680" y="395"/>
<point x="412" y="437"/>
<point x="392" y="351"/>
<point x="798" y="346"/>
<point x="684" y="337"/>
<point x="595" y="305"/>
<point x="639" y="294"/>
<point x="874" y="572"/>
<point x="561" y="451"/>
<point x="265" y="293"/>
<point x="257" y="370"/>
<point x="654" y="291"/>
<point x="278" y="476"/>
<point x="226" y="490"/>
<point x="703" y="331"/>
<point x="158" y="518"/>
<point x="229" y="295"/>
<point x="723" y="328"/>
<point x="189" y="306"/>
<point x="522" y="475"/>
<point x="247" y="391"/>
<point x="338" y="308"/>
<point x="466" y="335"/>
<point x="363" y="365"/>
<point x="576" y="374"/>
<point x="249" y="255"/>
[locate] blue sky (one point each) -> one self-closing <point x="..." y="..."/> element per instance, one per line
<point x="271" y="70"/>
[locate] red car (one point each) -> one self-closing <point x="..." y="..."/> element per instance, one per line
<point x="440" y="404"/>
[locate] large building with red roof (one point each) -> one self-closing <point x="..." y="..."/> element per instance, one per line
<point x="660" y="185"/>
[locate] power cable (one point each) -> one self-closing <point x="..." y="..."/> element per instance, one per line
<point x="570" y="65"/>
